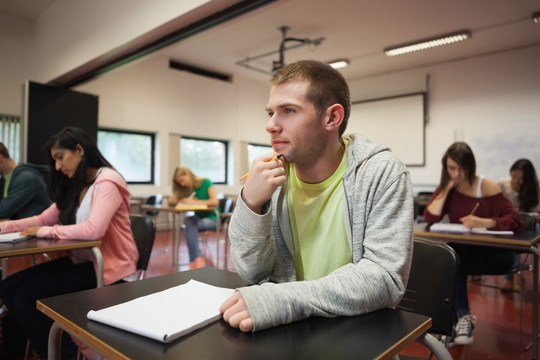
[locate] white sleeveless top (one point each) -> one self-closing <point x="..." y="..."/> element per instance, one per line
<point x="479" y="186"/>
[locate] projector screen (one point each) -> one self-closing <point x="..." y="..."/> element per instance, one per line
<point x="395" y="121"/>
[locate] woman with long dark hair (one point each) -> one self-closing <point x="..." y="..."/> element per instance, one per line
<point x="90" y="202"/>
<point x="474" y="201"/>
<point x="523" y="191"/>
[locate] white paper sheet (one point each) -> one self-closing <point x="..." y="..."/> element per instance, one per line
<point x="12" y="237"/>
<point x="460" y="229"/>
<point x="167" y="315"/>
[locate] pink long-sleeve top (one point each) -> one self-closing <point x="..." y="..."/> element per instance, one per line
<point x="496" y="207"/>
<point x="108" y="221"/>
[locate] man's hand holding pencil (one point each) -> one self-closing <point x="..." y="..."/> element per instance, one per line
<point x="267" y="173"/>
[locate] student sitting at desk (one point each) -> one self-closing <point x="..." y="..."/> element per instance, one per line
<point x="23" y="191"/>
<point x="90" y="201"/>
<point x="474" y="201"/>
<point x="193" y="190"/>
<point x="326" y="229"/>
<point x="523" y="191"/>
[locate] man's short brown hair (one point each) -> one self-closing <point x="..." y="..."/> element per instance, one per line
<point x="4" y="151"/>
<point x="326" y="86"/>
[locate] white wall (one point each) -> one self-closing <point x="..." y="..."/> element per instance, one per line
<point x="15" y="37"/>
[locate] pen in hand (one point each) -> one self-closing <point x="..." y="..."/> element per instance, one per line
<point x="244" y="177"/>
<point x="474" y="208"/>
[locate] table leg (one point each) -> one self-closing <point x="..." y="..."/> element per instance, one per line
<point x="535" y="306"/>
<point x="99" y="266"/>
<point x="175" y="240"/>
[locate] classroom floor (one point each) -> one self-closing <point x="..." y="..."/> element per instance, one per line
<point x="497" y="329"/>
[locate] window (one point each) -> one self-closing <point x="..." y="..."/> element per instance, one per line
<point x="130" y="152"/>
<point x="205" y="158"/>
<point x="10" y="135"/>
<point x="255" y="150"/>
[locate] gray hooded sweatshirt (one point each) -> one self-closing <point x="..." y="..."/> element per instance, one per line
<point x="378" y="210"/>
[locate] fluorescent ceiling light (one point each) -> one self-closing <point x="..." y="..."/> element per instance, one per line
<point x="338" y="64"/>
<point x="428" y="43"/>
<point x="536" y="17"/>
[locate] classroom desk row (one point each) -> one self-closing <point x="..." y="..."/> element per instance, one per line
<point x="526" y="242"/>
<point x="178" y="213"/>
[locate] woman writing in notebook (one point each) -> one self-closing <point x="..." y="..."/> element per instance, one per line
<point x="90" y="202"/>
<point x="459" y="192"/>
<point x="193" y="190"/>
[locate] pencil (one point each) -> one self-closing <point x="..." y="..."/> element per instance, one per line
<point x="474" y="208"/>
<point x="244" y="177"/>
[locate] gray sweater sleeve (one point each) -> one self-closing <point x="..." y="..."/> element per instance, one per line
<point x="381" y="229"/>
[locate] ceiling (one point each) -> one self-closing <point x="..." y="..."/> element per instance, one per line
<point x="357" y="30"/>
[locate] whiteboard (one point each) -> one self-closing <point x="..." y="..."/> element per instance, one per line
<point x="397" y="122"/>
<point x="496" y="146"/>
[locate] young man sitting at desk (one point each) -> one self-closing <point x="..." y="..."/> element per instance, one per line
<point x="326" y="228"/>
<point x="23" y="192"/>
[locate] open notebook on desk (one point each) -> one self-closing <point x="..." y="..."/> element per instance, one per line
<point x="460" y="229"/>
<point x="167" y="315"/>
<point x="13" y="237"/>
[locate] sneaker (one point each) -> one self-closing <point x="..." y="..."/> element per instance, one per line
<point x="465" y="329"/>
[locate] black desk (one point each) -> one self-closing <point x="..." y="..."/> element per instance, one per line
<point x="379" y="335"/>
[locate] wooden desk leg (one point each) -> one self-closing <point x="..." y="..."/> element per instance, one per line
<point x="55" y="342"/>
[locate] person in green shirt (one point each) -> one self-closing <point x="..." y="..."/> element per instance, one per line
<point x="23" y="192"/>
<point x="191" y="189"/>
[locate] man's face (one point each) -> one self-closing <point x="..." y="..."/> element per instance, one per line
<point x="293" y="125"/>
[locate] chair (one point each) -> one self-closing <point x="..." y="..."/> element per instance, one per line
<point x="432" y="290"/>
<point x="226" y="206"/>
<point x="144" y="233"/>
<point x="153" y="200"/>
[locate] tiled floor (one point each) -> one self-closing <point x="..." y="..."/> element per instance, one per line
<point x="497" y="329"/>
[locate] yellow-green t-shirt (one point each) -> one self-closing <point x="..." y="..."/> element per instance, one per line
<point x="318" y="226"/>
<point x="7" y="179"/>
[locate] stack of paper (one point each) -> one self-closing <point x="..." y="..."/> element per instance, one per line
<point x="169" y="314"/>
<point x="460" y="229"/>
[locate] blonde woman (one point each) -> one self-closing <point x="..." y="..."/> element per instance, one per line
<point x="190" y="189"/>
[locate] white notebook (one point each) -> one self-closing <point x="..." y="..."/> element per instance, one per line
<point x="167" y="315"/>
<point x="460" y="229"/>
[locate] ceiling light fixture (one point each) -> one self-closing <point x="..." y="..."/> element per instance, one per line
<point x="536" y="17"/>
<point x="428" y="43"/>
<point x="339" y="64"/>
